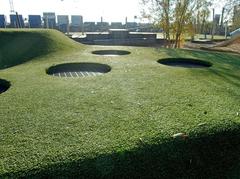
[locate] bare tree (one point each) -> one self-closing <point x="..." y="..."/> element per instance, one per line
<point x="229" y="8"/>
<point x="159" y="10"/>
<point x="175" y="16"/>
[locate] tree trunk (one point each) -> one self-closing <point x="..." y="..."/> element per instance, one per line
<point x="213" y="25"/>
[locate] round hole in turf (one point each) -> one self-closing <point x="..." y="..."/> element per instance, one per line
<point x="4" y="85"/>
<point x="185" y="62"/>
<point x="78" y="69"/>
<point x="111" y="52"/>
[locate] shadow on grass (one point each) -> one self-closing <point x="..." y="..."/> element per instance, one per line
<point x="4" y="85"/>
<point x="210" y="156"/>
<point x="227" y="77"/>
<point x="226" y="68"/>
<point x="225" y="65"/>
<point x="18" y="48"/>
<point x="215" y="57"/>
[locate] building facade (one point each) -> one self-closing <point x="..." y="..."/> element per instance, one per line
<point x="76" y="23"/>
<point x="76" y="20"/>
<point x="132" y="26"/>
<point x="63" y="23"/>
<point x="217" y="19"/>
<point x="102" y="26"/>
<point x="49" y="20"/>
<point x="90" y="27"/>
<point x="35" y="21"/>
<point x="116" y="25"/>
<point x="3" y="22"/>
<point x="16" y="21"/>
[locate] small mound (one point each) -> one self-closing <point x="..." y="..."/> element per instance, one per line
<point x="4" y="85"/>
<point x="185" y="62"/>
<point x="78" y="69"/>
<point x="232" y="41"/>
<point x="232" y="45"/>
<point x="111" y="52"/>
<point x="19" y="46"/>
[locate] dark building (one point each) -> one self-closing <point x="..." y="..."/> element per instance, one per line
<point x="76" y="23"/>
<point x="2" y="21"/>
<point x="63" y="23"/>
<point x="89" y="27"/>
<point x="77" y="20"/>
<point x="116" y="25"/>
<point x="217" y="19"/>
<point x="119" y="37"/>
<point x="219" y="30"/>
<point x="102" y="26"/>
<point x="16" y="21"/>
<point x="145" y="27"/>
<point x="132" y="26"/>
<point x="35" y="21"/>
<point x="118" y="34"/>
<point x="49" y="20"/>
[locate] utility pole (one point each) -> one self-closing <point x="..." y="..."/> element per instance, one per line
<point x="101" y="28"/>
<point x="126" y="21"/>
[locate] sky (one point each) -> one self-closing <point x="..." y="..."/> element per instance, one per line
<point x="91" y="10"/>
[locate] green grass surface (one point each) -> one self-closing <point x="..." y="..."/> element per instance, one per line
<point x="119" y="124"/>
<point x="18" y="46"/>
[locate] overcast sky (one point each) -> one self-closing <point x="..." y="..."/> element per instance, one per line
<point x="91" y="10"/>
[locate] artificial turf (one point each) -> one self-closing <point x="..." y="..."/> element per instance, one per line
<point x="119" y="124"/>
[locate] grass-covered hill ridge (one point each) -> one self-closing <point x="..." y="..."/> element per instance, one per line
<point x="231" y="45"/>
<point x="122" y="124"/>
<point x="19" y="46"/>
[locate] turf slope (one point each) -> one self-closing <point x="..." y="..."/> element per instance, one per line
<point x="120" y="124"/>
<point x="18" y="46"/>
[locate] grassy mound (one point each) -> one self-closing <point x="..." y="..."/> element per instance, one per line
<point x="17" y="46"/>
<point x="231" y="45"/>
<point x="122" y="124"/>
<point x="232" y="41"/>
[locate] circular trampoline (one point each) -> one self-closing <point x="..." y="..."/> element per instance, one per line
<point x="111" y="52"/>
<point x="76" y="70"/>
<point x="185" y="62"/>
<point x="4" y="85"/>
